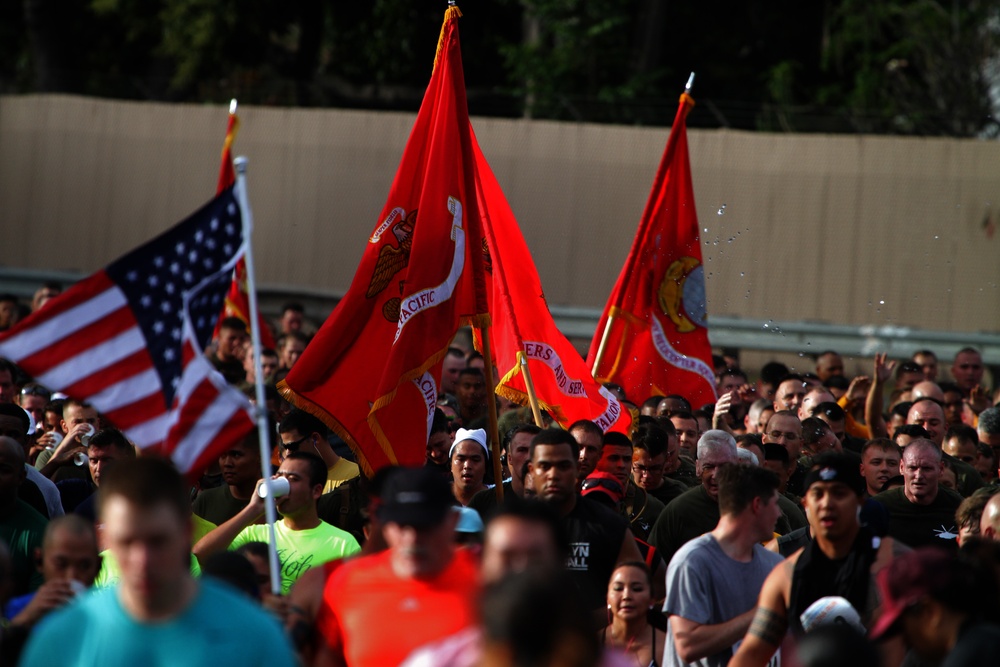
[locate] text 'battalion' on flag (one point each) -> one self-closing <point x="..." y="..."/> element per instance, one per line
<point x="652" y="337"/>
<point x="129" y="339"/>
<point x="371" y="371"/>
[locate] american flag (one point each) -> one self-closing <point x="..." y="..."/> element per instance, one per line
<point x="128" y="339"/>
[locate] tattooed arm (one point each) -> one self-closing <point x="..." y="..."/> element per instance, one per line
<point x="770" y="622"/>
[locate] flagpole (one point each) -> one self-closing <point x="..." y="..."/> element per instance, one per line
<point x="604" y="344"/>
<point x="532" y="397"/>
<point x="270" y="511"/>
<point x="484" y="335"/>
<point x="607" y="325"/>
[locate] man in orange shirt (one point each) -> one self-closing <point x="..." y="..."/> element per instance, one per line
<point x="377" y="609"/>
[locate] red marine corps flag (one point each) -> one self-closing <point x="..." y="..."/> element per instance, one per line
<point x="371" y="371"/>
<point x="523" y="328"/>
<point x="237" y="303"/>
<point x="651" y="338"/>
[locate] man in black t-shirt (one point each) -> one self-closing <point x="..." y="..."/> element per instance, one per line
<point x="921" y="512"/>
<point x="599" y="538"/>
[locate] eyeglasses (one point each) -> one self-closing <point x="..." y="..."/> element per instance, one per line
<point x="294" y="445"/>
<point x="644" y="470"/>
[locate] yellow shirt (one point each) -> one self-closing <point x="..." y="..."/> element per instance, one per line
<point x="341" y="472"/>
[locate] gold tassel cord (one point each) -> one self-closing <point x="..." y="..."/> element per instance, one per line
<point x="450" y="14"/>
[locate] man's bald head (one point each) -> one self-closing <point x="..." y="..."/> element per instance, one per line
<point x="814" y="397"/>
<point x="927" y="389"/>
<point x="989" y="524"/>
<point x="930" y="415"/>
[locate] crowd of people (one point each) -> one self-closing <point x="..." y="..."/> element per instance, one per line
<point x="805" y="518"/>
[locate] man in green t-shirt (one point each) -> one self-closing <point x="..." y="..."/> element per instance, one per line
<point x="302" y="539"/>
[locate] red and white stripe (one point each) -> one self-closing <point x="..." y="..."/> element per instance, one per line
<point x="89" y="345"/>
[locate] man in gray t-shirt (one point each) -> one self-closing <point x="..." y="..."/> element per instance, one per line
<point x="713" y="581"/>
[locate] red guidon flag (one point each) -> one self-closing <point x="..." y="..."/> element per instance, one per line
<point x="371" y="371"/>
<point x="522" y="327"/>
<point x="652" y="337"/>
<point x="237" y="302"/>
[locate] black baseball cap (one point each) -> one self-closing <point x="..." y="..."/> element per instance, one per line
<point x="418" y="497"/>
<point x="835" y="467"/>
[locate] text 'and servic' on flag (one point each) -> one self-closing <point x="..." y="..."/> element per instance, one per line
<point x="372" y="370"/>
<point x="652" y="338"/>
<point x="522" y="326"/>
<point x="129" y="340"/>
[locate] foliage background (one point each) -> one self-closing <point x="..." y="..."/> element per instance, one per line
<point x="916" y="67"/>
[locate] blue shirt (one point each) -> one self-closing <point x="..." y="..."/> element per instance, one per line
<point x="220" y="627"/>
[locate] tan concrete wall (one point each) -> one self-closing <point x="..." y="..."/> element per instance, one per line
<point x="814" y="228"/>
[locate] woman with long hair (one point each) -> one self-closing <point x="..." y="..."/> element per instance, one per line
<point x="630" y="593"/>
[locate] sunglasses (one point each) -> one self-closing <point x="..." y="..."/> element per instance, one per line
<point x="294" y="445"/>
<point x="598" y="483"/>
<point x="36" y="390"/>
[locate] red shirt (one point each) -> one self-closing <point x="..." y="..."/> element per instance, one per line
<point x="375" y="618"/>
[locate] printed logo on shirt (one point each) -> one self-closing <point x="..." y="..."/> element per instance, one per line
<point x="946" y="533"/>
<point x="292" y="564"/>
<point x="579" y="557"/>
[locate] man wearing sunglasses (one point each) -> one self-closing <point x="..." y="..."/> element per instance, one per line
<point x="300" y="431"/>
<point x="33" y="398"/>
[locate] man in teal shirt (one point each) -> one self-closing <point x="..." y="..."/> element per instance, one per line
<point x="158" y="614"/>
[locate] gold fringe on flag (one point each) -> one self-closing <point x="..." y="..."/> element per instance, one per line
<point x="450" y="14"/>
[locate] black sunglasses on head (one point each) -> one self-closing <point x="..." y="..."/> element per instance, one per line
<point x="36" y="390"/>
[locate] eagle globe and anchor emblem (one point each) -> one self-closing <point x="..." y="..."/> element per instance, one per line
<point x="681" y="294"/>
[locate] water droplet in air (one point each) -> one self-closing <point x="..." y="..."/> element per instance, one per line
<point x="936" y="237"/>
<point x="742" y="274"/>
<point x="706" y="231"/>
<point x="882" y="303"/>
<point x="722" y="210"/>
